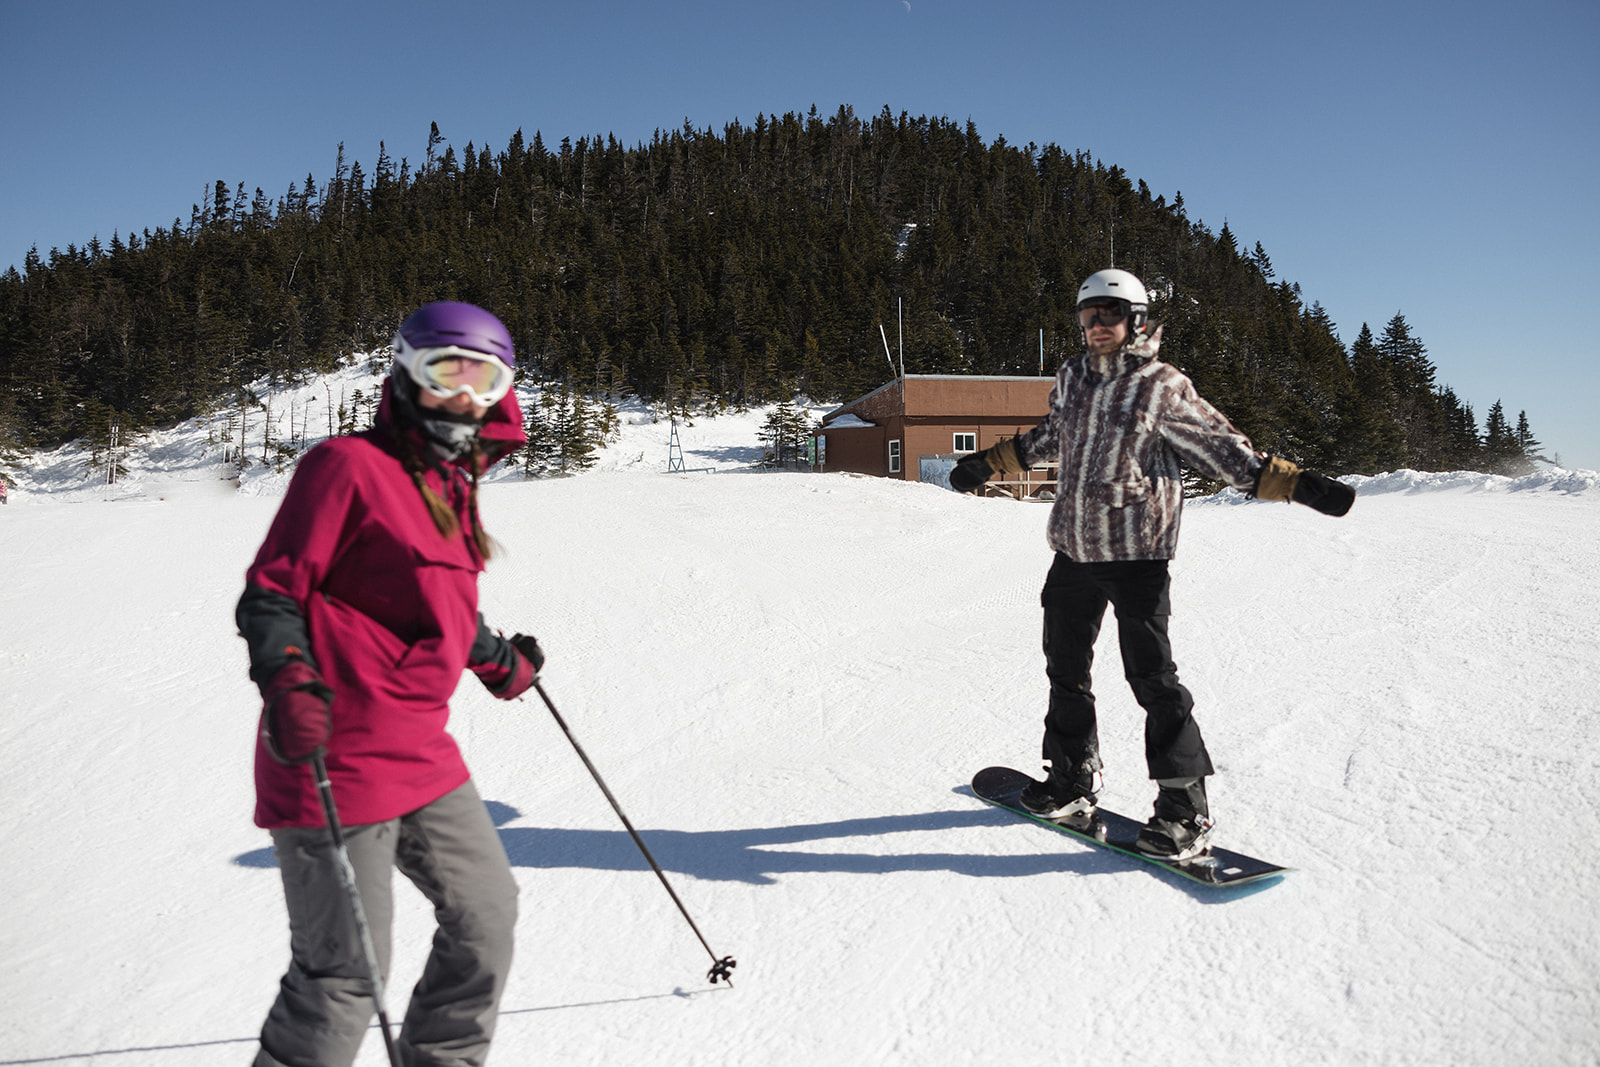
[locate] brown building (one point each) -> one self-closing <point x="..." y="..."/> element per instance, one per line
<point x="916" y="426"/>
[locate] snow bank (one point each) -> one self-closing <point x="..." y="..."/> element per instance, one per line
<point x="1551" y="480"/>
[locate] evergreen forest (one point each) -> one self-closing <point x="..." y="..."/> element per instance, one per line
<point x="752" y="265"/>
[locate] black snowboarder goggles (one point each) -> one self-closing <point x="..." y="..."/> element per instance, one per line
<point x="1103" y="314"/>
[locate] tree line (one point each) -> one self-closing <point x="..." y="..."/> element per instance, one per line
<point x="749" y="265"/>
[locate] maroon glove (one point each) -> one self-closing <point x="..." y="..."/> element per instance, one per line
<point x="296" y="721"/>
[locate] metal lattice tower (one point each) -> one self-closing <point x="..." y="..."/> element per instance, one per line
<point x="674" y="450"/>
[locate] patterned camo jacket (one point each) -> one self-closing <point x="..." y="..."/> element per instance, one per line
<point x="1121" y="426"/>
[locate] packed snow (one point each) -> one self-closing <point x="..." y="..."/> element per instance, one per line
<point x="787" y="679"/>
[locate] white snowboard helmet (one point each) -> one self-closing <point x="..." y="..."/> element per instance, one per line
<point x="1127" y="291"/>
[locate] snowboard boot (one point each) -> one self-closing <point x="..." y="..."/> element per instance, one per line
<point x="1181" y="825"/>
<point x="1060" y="796"/>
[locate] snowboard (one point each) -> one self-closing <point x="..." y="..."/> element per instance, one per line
<point x="1215" y="867"/>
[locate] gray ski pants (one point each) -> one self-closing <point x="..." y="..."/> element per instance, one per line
<point x="451" y="852"/>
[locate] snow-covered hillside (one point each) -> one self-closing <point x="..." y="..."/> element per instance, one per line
<point x="198" y="456"/>
<point x="787" y="679"/>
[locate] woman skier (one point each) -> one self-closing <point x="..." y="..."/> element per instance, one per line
<point x="361" y="612"/>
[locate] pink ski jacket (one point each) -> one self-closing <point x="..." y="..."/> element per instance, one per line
<point x="355" y="577"/>
<point x="1122" y="427"/>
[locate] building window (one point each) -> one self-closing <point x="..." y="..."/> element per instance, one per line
<point x="965" y="442"/>
<point x="894" y="457"/>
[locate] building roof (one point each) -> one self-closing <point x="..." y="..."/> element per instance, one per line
<point x="940" y="394"/>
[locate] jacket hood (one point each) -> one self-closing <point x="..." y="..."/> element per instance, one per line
<point x="502" y="431"/>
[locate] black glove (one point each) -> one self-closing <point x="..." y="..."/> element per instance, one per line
<point x="1278" y="479"/>
<point x="1321" y="493"/>
<point x="508" y="683"/>
<point x="529" y="647"/>
<point x="970" y="472"/>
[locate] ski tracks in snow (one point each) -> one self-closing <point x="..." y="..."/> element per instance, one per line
<point x="785" y="679"/>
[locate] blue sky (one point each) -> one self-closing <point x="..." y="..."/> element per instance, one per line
<point x="1435" y="160"/>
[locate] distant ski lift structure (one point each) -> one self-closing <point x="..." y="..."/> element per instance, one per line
<point x="674" y="451"/>
<point x="675" y="456"/>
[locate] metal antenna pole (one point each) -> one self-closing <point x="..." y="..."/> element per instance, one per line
<point x="900" y="314"/>
<point x="886" y="353"/>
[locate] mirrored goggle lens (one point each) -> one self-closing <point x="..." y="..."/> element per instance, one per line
<point x="1104" y="314"/>
<point x="448" y="373"/>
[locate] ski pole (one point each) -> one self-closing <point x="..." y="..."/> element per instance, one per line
<point x="347" y="876"/>
<point x="720" y="968"/>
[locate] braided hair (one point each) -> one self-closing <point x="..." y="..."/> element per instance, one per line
<point x="408" y="416"/>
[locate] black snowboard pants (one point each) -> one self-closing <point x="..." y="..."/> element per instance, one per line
<point x="1139" y="591"/>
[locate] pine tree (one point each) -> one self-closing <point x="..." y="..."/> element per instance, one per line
<point x="1526" y="443"/>
<point x="1465" y="447"/>
<point x="1262" y="263"/>
<point x="535" y="458"/>
<point x="1371" y="438"/>
<point x="14" y="442"/>
<point x="1416" y="406"/>
<point x="783" y="434"/>
<point x="571" y="435"/>
<point x="110" y="437"/>
<point x="1501" y="453"/>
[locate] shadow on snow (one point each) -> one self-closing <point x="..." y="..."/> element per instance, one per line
<point x="757" y="856"/>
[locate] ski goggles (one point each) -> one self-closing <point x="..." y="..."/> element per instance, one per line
<point x="1102" y="314"/>
<point x="449" y="371"/>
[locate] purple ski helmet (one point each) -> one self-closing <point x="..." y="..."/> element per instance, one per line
<point x="450" y="347"/>
<point x="449" y="323"/>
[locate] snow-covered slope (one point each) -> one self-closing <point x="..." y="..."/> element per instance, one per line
<point x="787" y="679"/>
<point x="196" y="456"/>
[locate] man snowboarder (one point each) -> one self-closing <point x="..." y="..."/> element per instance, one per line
<point x="1121" y="422"/>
